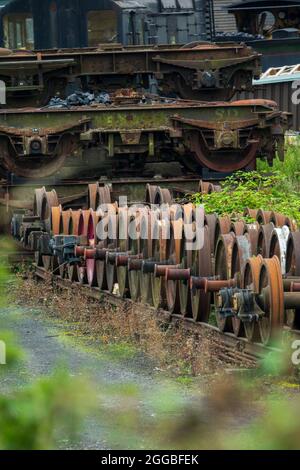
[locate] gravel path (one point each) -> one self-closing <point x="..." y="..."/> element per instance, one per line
<point x="49" y="343"/>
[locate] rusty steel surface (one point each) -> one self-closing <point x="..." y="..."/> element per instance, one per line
<point x="271" y="278"/>
<point x="184" y="70"/>
<point x="217" y="136"/>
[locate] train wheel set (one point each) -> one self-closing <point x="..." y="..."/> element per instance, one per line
<point x="174" y="257"/>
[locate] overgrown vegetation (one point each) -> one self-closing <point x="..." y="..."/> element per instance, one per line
<point x="41" y="414"/>
<point x="274" y="189"/>
<point x="128" y="329"/>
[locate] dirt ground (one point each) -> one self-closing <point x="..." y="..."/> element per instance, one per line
<point x="162" y="407"/>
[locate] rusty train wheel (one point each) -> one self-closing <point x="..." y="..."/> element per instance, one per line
<point x="278" y="220"/>
<point x="162" y="196"/>
<point x="202" y="267"/>
<point x="278" y="245"/>
<point x="90" y="262"/>
<point x="173" y="252"/>
<point x="211" y="222"/>
<point x="122" y="271"/>
<point x="264" y="240"/>
<point x="251" y="282"/>
<point x="38" y="200"/>
<point x="76" y="229"/>
<point x="223" y="271"/>
<point x="84" y="228"/>
<point x="150" y="194"/>
<point x="186" y="259"/>
<point x="159" y="253"/>
<point x="238" y="228"/>
<point x="56" y="228"/>
<point x="252" y="231"/>
<point x="241" y="252"/>
<point x="146" y="253"/>
<point x="223" y="227"/>
<point x="112" y="245"/>
<point x="134" y="250"/>
<point x="292" y="268"/>
<point x="223" y="160"/>
<point x="263" y="217"/>
<point x="250" y="213"/>
<point x="270" y="278"/>
<point x="92" y="195"/>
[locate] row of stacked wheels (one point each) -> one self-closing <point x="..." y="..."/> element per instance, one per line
<point x="245" y="276"/>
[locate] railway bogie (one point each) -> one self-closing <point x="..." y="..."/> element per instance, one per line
<point x="154" y="137"/>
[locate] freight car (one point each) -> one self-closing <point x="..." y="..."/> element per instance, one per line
<point x="135" y="135"/>
<point x="195" y="71"/>
<point x="271" y="27"/>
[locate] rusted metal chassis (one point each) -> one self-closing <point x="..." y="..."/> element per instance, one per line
<point x="234" y="348"/>
<point x="219" y="136"/>
<point x="229" y="66"/>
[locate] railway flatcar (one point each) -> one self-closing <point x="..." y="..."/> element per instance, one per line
<point x="272" y="27"/>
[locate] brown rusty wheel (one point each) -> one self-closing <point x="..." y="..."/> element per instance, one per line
<point x="241" y="252"/>
<point x="112" y="245"/>
<point x="159" y="254"/>
<point x="56" y="228"/>
<point x="90" y="262"/>
<point x="92" y="196"/>
<point x="224" y="159"/>
<point x="223" y="271"/>
<point x="173" y="253"/>
<point x="134" y="250"/>
<point x="150" y="194"/>
<point x="211" y="222"/>
<point x="279" y="220"/>
<point x="263" y="217"/>
<point x="162" y="196"/>
<point x="293" y="269"/>
<point x="205" y="187"/>
<point x="252" y="231"/>
<point x="238" y="227"/>
<point x="146" y="253"/>
<point x="83" y="224"/>
<point x="278" y="245"/>
<point x="76" y="228"/>
<point x="66" y="227"/>
<point x="187" y="244"/>
<point x="38" y="200"/>
<point x="272" y="300"/>
<point x="122" y="269"/>
<point x="251" y="282"/>
<point x="223" y="227"/>
<point x="293" y="255"/>
<point x="49" y="200"/>
<point x="202" y="267"/>
<point x="250" y="213"/>
<point x="264" y="240"/>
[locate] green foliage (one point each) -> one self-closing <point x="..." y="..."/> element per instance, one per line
<point x="289" y="168"/>
<point x="39" y="416"/>
<point x="253" y="190"/>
